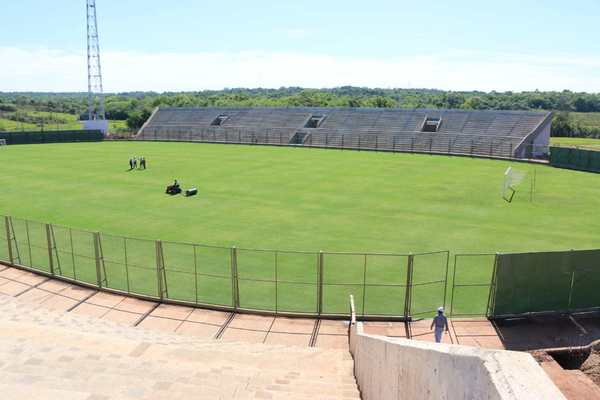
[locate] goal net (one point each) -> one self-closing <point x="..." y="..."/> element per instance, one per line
<point x="512" y="179"/>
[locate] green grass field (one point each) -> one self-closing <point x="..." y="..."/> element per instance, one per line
<point x="62" y="121"/>
<point x="288" y="199"/>
<point x="585" y="143"/>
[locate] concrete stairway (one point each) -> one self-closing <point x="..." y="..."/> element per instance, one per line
<point x="46" y="355"/>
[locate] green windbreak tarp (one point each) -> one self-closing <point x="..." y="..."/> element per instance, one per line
<point x="51" y="137"/>
<point x="540" y="282"/>
<point x="573" y="158"/>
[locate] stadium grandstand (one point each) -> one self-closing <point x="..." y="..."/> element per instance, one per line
<point x="505" y="134"/>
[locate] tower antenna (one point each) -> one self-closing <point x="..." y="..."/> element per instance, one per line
<point x="95" y="90"/>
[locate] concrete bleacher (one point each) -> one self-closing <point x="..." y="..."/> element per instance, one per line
<point x="58" y="339"/>
<point x="49" y="355"/>
<point x="510" y="134"/>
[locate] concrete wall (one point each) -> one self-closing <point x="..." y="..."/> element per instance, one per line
<point x="96" y="125"/>
<point x="542" y="141"/>
<point x="390" y="369"/>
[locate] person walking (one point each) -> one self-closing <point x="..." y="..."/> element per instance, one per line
<point x="142" y="163"/>
<point x="134" y="162"/>
<point x="440" y="322"/>
<point x="130" y="164"/>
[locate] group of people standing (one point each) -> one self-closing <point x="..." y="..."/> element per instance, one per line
<point x="133" y="163"/>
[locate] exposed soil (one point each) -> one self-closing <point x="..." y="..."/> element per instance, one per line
<point x="563" y="366"/>
<point x="591" y="367"/>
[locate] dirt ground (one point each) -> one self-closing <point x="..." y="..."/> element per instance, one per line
<point x="591" y="367"/>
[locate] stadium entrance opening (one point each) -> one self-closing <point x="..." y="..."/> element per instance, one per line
<point x="220" y="120"/>
<point x="314" y="121"/>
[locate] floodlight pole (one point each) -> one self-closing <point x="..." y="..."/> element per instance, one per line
<point x="95" y="89"/>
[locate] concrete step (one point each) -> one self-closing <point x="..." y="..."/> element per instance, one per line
<point x="73" y="356"/>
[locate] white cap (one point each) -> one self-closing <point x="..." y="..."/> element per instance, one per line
<point x="441" y="309"/>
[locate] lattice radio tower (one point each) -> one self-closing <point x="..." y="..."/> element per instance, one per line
<point x="95" y="90"/>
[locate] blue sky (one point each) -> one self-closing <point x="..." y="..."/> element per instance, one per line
<point x="192" y="45"/>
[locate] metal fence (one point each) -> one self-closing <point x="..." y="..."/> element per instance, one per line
<point x="575" y="158"/>
<point x="481" y="145"/>
<point x="545" y="282"/>
<point x="281" y="282"/>
<point x="399" y="286"/>
<point x="471" y="284"/>
<point x="36" y="137"/>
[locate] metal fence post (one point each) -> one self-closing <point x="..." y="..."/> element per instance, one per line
<point x="9" y="240"/>
<point x="453" y="285"/>
<point x="276" y="284"/>
<point x="235" y="284"/>
<point x="571" y="285"/>
<point x="195" y="275"/>
<point x="97" y="257"/>
<point x="159" y="267"/>
<point x="446" y="277"/>
<point x="49" y="242"/>
<point x="28" y="243"/>
<point x="491" y="304"/>
<point x="320" y="259"/>
<point x="364" y="300"/>
<point x="408" y="294"/>
<point x="72" y="253"/>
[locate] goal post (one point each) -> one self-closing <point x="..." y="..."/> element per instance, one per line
<point x="512" y="180"/>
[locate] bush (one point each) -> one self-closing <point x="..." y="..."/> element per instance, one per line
<point x="8" y="107"/>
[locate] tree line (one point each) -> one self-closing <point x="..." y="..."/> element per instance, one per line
<point x="136" y="107"/>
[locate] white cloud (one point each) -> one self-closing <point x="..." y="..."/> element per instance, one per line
<point x="55" y="70"/>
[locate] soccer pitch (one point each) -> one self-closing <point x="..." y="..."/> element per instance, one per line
<point x="297" y="199"/>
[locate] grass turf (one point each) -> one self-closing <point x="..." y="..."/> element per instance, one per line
<point x="59" y="121"/>
<point x="287" y="199"/>
<point x="593" y="144"/>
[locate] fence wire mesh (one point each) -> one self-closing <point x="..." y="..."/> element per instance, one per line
<point x="342" y="275"/>
<point x="256" y="272"/>
<point x="471" y="284"/>
<point x="73" y="254"/>
<point x="30" y="244"/>
<point x="428" y="283"/>
<point x="385" y="285"/>
<point x="298" y="282"/>
<point x="4" y="253"/>
<point x="128" y="264"/>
